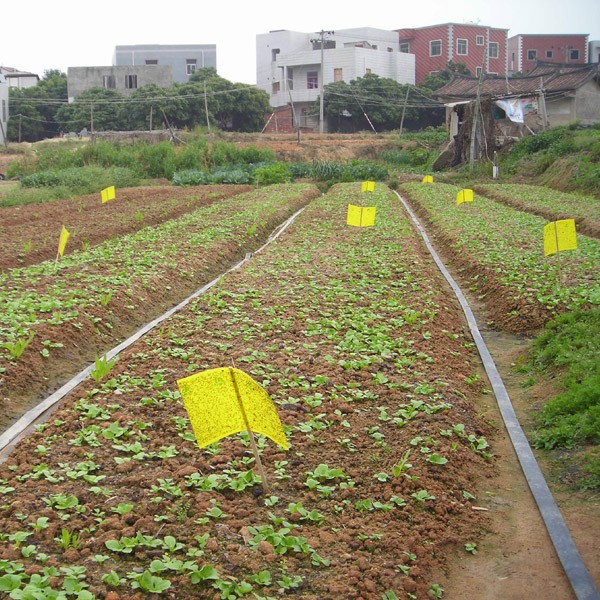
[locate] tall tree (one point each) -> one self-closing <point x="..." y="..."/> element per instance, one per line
<point x="97" y="109"/>
<point x="33" y="110"/>
<point x="367" y="103"/>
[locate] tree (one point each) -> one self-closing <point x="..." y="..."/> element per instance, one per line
<point x="148" y="106"/>
<point x="369" y="102"/>
<point x="97" y="109"/>
<point x="238" y="107"/>
<point x="33" y="110"/>
<point x="435" y="81"/>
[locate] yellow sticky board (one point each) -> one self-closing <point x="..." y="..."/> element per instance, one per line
<point x="62" y="242"/>
<point x="353" y="216"/>
<point x="427" y="179"/>
<point x="559" y="236"/>
<point x="224" y="401"/>
<point x="464" y="196"/>
<point x="368" y="216"/>
<point x="368" y="186"/>
<point x="360" y="216"/>
<point x="108" y="194"/>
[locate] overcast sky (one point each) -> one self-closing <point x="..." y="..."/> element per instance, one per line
<point x="38" y="35"/>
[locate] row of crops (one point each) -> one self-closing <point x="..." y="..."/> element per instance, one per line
<point x="354" y="337"/>
<point x="72" y="308"/>
<point x="499" y="250"/>
<point x="374" y="380"/>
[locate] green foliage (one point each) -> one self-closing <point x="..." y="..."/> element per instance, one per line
<point x="81" y="180"/>
<point x="270" y="174"/>
<point x="568" y="156"/>
<point x="571" y="344"/>
<point x="381" y="98"/>
<point x="33" y="110"/>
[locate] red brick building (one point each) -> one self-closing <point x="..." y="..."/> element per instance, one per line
<point x="476" y="46"/>
<point x="525" y="49"/>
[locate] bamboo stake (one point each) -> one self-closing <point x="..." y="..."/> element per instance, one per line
<point x="261" y="469"/>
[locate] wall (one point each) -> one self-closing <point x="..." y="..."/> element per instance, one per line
<point x="81" y="79"/>
<point x="449" y="34"/>
<point x="173" y="56"/>
<point x="548" y="48"/>
<point x="3" y="109"/>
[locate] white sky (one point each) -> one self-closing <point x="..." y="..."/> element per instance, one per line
<point x="38" y="35"/>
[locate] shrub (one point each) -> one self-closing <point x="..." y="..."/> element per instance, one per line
<point x="270" y="174"/>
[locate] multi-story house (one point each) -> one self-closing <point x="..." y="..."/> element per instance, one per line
<point x="124" y="80"/>
<point x="525" y="49"/>
<point x="184" y="60"/>
<point x="476" y="46"/>
<point x="293" y="67"/>
<point x="19" y="79"/>
<point x="3" y="108"/>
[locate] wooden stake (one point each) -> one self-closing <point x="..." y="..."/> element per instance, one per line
<point x="261" y="469"/>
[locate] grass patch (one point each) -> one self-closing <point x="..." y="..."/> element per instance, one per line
<point x="570" y="346"/>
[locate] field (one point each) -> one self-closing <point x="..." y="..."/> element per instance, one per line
<point x="396" y="471"/>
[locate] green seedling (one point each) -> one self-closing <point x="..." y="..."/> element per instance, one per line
<point x="102" y="366"/>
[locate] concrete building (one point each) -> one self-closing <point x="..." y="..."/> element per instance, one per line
<point x="124" y="80"/>
<point x="184" y="60"/>
<point x="19" y="79"/>
<point x="292" y="67"/>
<point x="3" y="108"/>
<point x="526" y="49"/>
<point x="476" y="46"/>
<point x="594" y="51"/>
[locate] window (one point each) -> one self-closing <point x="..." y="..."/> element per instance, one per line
<point x="479" y="40"/>
<point x="290" y="78"/>
<point x="4" y="110"/>
<point x="493" y="50"/>
<point x="131" y="82"/>
<point x="312" y="80"/>
<point x="405" y="47"/>
<point x="574" y="55"/>
<point x="327" y="44"/>
<point x="549" y="53"/>
<point x="275" y="87"/>
<point x="108" y="82"/>
<point x="390" y="49"/>
<point x="337" y="75"/>
<point x="462" y="46"/>
<point x="531" y="54"/>
<point x="190" y="66"/>
<point x="478" y="71"/>
<point x="274" y="54"/>
<point x="151" y="61"/>
<point x="435" y="48"/>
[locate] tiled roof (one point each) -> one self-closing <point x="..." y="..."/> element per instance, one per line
<point x="554" y="77"/>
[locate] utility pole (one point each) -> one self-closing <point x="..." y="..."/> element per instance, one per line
<point x="476" y="111"/>
<point x="322" y="34"/>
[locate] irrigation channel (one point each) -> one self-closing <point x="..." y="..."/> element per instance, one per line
<point x="370" y="363"/>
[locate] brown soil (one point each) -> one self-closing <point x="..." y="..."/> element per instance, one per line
<point x="514" y="556"/>
<point x="33" y="230"/>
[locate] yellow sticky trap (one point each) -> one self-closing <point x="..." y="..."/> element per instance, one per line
<point x="108" y="194"/>
<point x="62" y="242"/>
<point x="224" y="401"/>
<point x="427" y="179"/>
<point x="361" y="216"/>
<point x="368" y="186"/>
<point x="464" y="196"/>
<point x="559" y="236"/>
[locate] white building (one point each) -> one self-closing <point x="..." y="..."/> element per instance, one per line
<point x="292" y="67"/>
<point x="3" y="108"/>
<point x="594" y="51"/>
